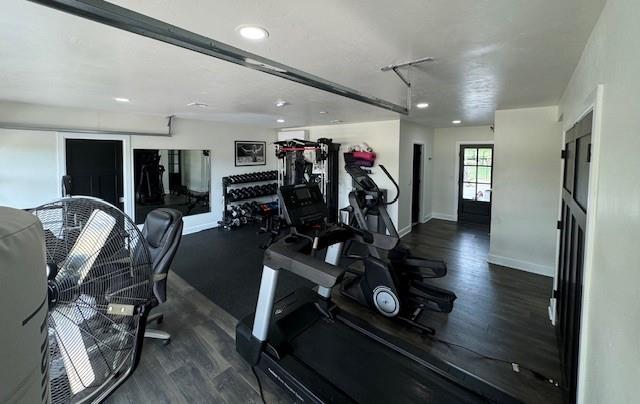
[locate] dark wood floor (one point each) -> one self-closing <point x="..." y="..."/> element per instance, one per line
<point x="500" y="312"/>
<point x="200" y="365"/>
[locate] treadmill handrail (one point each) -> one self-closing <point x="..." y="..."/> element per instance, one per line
<point x="286" y="255"/>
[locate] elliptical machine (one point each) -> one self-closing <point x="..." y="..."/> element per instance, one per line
<point x="398" y="290"/>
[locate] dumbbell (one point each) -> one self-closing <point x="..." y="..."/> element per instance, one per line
<point x="246" y="209"/>
<point x="236" y="194"/>
<point x="245" y="193"/>
<point x="231" y="212"/>
<point x="271" y="189"/>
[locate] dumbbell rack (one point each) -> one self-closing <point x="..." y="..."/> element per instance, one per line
<point x="228" y="184"/>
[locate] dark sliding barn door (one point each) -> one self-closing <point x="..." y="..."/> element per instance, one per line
<point x="95" y="168"/>
<point x="577" y="156"/>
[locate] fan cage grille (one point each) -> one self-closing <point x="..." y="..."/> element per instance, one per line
<point x="101" y="259"/>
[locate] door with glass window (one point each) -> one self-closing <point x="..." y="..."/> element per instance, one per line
<point x="475" y="183"/>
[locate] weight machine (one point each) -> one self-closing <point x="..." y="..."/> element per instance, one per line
<point x="306" y="162"/>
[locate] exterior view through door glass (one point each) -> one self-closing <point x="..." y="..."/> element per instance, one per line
<point x="475" y="183"/>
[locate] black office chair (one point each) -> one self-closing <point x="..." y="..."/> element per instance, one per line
<point x="163" y="231"/>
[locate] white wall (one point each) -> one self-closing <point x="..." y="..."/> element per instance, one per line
<point x="219" y="138"/>
<point x="28" y="160"/>
<point x="444" y="172"/>
<point x="383" y="137"/>
<point x="410" y="134"/>
<point x="526" y="189"/>
<point x="44" y="115"/>
<point x="28" y="168"/>
<point x="609" y="350"/>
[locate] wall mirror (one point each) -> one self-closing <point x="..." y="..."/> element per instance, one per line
<point x="177" y="179"/>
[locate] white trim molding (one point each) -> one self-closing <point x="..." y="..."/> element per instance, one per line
<point x="426" y="218"/>
<point x="404" y="231"/>
<point x="521" y="265"/>
<point x="596" y="99"/>
<point x="127" y="163"/>
<point x="195" y="228"/>
<point x="444" y="216"/>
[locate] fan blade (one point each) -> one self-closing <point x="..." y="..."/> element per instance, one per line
<point x="73" y="349"/>
<point x="89" y="244"/>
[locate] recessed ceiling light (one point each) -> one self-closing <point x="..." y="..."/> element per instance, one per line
<point x="252" y="32"/>
<point x="280" y="120"/>
<point x="121" y="99"/>
<point x="281" y="103"/>
<point x="456" y="122"/>
<point x="422" y="105"/>
<point x="337" y="121"/>
<point x="197" y="104"/>
<point x="323" y="112"/>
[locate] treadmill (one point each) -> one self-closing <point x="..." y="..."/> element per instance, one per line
<point x="322" y="354"/>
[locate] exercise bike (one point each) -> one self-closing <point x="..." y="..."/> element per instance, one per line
<point x="396" y="287"/>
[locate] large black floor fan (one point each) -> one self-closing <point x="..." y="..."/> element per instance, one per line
<point x="100" y="290"/>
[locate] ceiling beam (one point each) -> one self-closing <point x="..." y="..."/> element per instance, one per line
<point x="128" y="20"/>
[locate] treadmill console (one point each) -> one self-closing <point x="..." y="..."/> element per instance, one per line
<point x="302" y="204"/>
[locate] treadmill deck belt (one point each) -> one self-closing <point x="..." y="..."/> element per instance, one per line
<point x="370" y="372"/>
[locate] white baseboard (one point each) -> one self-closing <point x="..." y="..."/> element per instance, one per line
<point x="199" y="227"/>
<point x="521" y="265"/>
<point x="404" y="231"/>
<point x="444" y="216"/>
<point x="552" y="310"/>
<point x="426" y="218"/>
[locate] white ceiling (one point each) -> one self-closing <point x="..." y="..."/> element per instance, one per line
<point x="490" y="54"/>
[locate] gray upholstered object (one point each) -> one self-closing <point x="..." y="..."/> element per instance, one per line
<point x="23" y="308"/>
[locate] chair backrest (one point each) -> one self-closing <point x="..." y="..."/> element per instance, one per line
<point x="163" y="231"/>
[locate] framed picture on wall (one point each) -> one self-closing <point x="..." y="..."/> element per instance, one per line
<point x="250" y="153"/>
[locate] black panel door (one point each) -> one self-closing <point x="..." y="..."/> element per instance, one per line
<point x="417" y="183"/>
<point x="474" y="184"/>
<point x="95" y="168"/>
<point x="577" y="156"/>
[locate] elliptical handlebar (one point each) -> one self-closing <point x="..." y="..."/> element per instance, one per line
<point x="395" y="184"/>
<point x="366" y="235"/>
